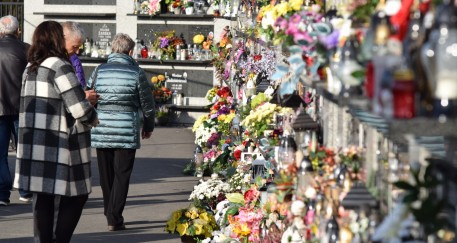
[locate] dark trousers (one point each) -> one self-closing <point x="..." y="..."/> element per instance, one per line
<point x="115" y="167"/>
<point x="69" y="212"/>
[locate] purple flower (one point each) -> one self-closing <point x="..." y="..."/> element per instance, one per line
<point x="296" y="18"/>
<point x="281" y="23"/>
<point x="164" y="42"/>
<point x="223" y="110"/>
<point x="213" y="116"/>
<point x="213" y="140"/>
<point x="330" y="41"/>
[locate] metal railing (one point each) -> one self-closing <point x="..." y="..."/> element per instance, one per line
<point x="15" y="8"/>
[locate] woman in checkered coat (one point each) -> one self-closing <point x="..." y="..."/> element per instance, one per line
<point x="53" y="153"/>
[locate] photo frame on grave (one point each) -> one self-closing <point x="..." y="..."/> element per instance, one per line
<point x="250" y="157"/>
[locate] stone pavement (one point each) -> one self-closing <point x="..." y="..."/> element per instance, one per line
<point x="157" y="187"/>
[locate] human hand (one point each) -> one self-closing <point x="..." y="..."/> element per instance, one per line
<point x="97" y="121"/>
<point x="145" y="135"/>
<point x="92" y="96"/>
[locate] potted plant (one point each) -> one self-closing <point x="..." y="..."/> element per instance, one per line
<point x="189" y="6"/>
<point x="162" y="116"/>
<point x="177" y="5"/>
<point x="192" y="223"/>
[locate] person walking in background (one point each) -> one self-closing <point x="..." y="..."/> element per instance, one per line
<point x="74" y="35"/>
<point x="53" y="154"/>
<point x="125" y="100"/>
<point x="13" y="59"/>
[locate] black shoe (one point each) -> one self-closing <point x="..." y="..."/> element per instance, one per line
<point x="116" y="228"/>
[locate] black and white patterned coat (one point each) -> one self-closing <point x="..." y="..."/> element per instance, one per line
<point x="53" y="153"/>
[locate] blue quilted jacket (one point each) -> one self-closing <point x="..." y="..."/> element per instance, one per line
<point x="126" y="104"/>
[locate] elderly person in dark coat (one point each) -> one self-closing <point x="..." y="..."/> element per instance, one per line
<point x="53" y="153"/>
<point x="13" y="59"/>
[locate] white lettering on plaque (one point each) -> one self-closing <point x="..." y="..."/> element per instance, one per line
<point x="104" y="36"/>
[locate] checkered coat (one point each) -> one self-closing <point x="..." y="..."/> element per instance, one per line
<point x="53" y="152"/>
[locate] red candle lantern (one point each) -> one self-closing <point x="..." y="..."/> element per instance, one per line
<point x="404" y="91"/>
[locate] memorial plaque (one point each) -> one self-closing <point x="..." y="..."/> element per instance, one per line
<point x="197" y="84"/>
<point x="102" y="33"/>
<point x="104" y="36"/>
<point x="177" y="82"/>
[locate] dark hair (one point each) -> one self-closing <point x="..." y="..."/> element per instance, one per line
<point x="47" y="41"/>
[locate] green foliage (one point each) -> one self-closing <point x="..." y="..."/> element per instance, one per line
<point x="221" y="162"/>
<point x="232" y="210"/>
<point x="428" y="213"/>
<point x="363" y="13"/>
<point x="259" y="99"/>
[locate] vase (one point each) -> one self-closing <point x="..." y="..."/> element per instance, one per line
<point x="189" y="10"/>
<point x="171" y="9"/>
<point x="177" y="10"/>
<point x="162" y="120"/>
<point x="190" y="239"/>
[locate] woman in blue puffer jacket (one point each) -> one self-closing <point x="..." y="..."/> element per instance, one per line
<point x="126" y="112"/>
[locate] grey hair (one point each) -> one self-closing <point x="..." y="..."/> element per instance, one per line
<point x="75" y="29"/>
<point x="9" y="25"/>
<point x="122" y="43"/>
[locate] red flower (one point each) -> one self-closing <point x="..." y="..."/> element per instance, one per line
<point x="224" y="92"/>
<point x="237" y="154"/>
<point x="257" y="57"/>
<point x="251" y="195"/>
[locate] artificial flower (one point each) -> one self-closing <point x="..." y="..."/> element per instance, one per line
<point x="182" y="228"/>
<point x="198" y="39"/>
<point x="154" y="6"/>
<point x="295" y="4"/>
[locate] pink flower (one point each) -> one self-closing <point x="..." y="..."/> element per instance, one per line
<point x="154" y="6"/>
<point x="302" y="38"/>
<point x="281" y="23"/>
<point x="251" y="195"/>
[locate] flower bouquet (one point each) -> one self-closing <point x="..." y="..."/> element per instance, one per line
<point x="160" y="92"/>
<point x="194" y="222"/>
<point x="166" y="41"/>
<point x="152" y="6"/>
<point x="209" y="192"/>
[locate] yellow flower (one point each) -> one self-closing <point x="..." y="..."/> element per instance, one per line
<point x="199" y="122"/>
<point x="204" y="216"/>
<point x="193" y="213"/>
<point x="171" y="226"/>
<point x="221" y="117"/>
<point x="282" y="9"/>
<point x="161" y="77"/>
<point x="198" y="39"/>
<point x="176" y="215"/>
<point x="154" y="79"/>
<point x="182" y="228"/>
<point x="241" y="229"/>
<point x="198" y="229"/>
<point x="296" y="4"/>
<point x="229" y="118"/>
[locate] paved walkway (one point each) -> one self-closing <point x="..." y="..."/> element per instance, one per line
<point x="157" y="188"/>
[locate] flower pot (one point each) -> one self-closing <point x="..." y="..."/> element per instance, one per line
<point x="191" y="239"/>
<point x="189" y="10"/>
<point x="177" y="10"/>
<point x="162" y="120"/>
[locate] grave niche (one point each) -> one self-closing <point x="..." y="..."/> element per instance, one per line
<point x="81" y="2"/>
<point x="102" y="33"/>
